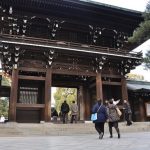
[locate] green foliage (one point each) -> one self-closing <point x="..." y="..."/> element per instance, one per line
<point x="61" y="94"/>
<point x="5" y="81"/>
<point x="141" y="34"/>
<point x="132" y="76"/>
<point x="4" y="106"/>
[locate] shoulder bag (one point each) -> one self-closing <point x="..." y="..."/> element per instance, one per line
<point x="118" y="112"/>
<point x="94" y="116"/>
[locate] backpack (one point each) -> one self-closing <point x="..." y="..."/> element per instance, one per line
<point x="65" y="108"/>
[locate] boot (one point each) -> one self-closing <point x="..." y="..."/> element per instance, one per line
<point x="110" y="131"/>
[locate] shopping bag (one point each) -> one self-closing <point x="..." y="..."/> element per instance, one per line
<point x="118" y="112"/>
<point x="94" y="117"/>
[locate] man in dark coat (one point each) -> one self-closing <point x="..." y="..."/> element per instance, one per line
<point x="64" y="111"/>
<point x="101" y="111"/>
<point x="128" y="112"/>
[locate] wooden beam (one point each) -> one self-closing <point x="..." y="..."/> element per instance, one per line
<point x="20" y="105"/>
<point x="111" y="76"/>
<point x="111" y="83"/>
<point x="31" y="78"/>
<point x="32" y="69"/>
<point x="13" y="95"/>
<point x="69" y="72"/>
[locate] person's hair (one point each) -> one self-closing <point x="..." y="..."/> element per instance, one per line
<point x="73" y="101"/>
<point x="99" y="101"/>
<point x="111" y="101"/>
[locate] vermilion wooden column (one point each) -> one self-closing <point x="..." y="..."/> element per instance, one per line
<point x="13" y="95"/>
<point x="47" y="111"/>
<point x="99" y="90"/>
<point x="124" y="89"/>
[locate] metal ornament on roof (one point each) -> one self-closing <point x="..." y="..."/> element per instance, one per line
<point x="49" y="57"/>
<point x="99" y="63"/>
<point x="16" y="56"/>
<point x="125" y="66"/>
<point x="56" y="25"/>
<point x="119" y="37"/>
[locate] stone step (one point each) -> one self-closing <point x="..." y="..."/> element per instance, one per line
<point x="48" y="129"/>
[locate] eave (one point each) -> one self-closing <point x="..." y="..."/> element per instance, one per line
<point x="67" y="47"/>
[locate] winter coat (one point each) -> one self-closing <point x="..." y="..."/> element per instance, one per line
<point x="74" y="109"/>
<point x="101" y="114"/>
<point x="65" y="108"/>
<point x="112" y="113"/>
<point x="127" y="108"/>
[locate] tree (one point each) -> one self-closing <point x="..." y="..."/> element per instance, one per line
<point x="132" y="76"/>
<point x="141" y="34"/>
<point x="6" y="81"/>
<point x="61" y="94"/>
<point x="4" y="106"/>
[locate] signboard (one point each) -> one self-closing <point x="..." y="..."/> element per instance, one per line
<point x="147" y="106"/>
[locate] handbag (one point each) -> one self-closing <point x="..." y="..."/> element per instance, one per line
<point x="94" y="116"/>
<point x="118" y="112"/>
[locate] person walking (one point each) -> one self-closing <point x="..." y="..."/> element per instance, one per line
<point x="113" y="118"/>
<point x="127" y="112"/>
<point x="64" y="111"/>
<point x="2" y="119"/>
<point x="74" y="112"/>
<point x="54" y="114"/>
<point x="101" y="111"/>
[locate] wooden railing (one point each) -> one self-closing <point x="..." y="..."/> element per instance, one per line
<point x="64" y="44"/>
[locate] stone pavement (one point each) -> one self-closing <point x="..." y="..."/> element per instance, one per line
<point x="49" y="129"/>
<point x="128" y="141"/>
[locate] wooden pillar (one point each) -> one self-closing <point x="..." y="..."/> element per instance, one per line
<point x="81" y="103"/>
<point x="141" y="109"/>
<point x="124" y="89"/>
<point x="99" y="90"/>
<point x="13" y="95"/>
<point x="47" y="111"/>
<point x="87" y="104"/>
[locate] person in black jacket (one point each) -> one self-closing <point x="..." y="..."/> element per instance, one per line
<point x="54" y="114"/>
<point x="101" y="111"/>
<point x="64" y="111"/>
<point x="128" y="112"/>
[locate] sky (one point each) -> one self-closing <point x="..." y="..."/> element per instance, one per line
<point x="138" y="5"/>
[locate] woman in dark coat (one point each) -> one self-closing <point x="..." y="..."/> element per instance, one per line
<point x="113" y="118"/>
<point x="101" y="111"/>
